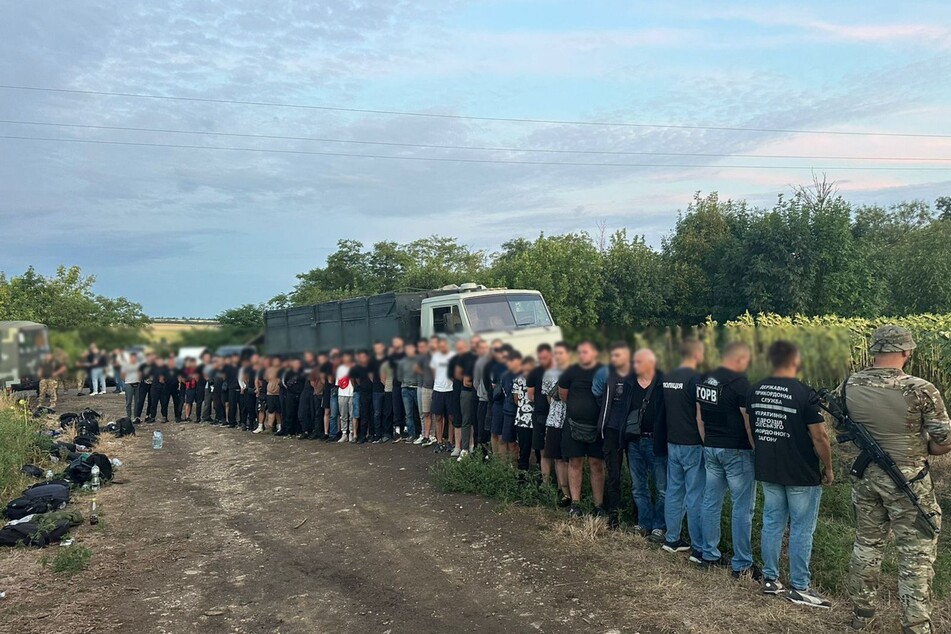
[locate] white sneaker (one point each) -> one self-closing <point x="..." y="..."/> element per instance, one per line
<point x="420" y="440"/>
<point x="462" y="455"/>
<point x="352" y="437"/>
<point x="455" y="453"/>
<point x="344" y="437"/>
<point x="259" y="429"/>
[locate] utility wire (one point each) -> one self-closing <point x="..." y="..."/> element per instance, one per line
<point x="467" y="160"/>
<point x="463" y="147"/>
<point x="623" y="124"/>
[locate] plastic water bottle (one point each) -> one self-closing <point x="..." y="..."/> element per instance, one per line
<point x="49" y="475"/>
<point x="94" y="472"/>
<point x="94" y="513"/>
<point x="157" y="439"/>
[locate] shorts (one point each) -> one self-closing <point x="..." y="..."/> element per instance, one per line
<point x="189" y="396"/>
<point x="552" y="449"/>
<point x="455" y="408"/>
<point x="571" y="448"/>
<point x="273" y="404"/>
<point x="442" y="404"/>
<point x="355" y="404"/>
<point x="496" y="414"/>
<point x="262" y="402"/>
<point x="538" y="431"/>
<point x="508" y="428"/>
<point x="425" y="400"/>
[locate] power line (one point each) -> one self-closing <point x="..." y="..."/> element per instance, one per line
<point x="436" y="115"/>
<point x="464" y="147"/>
<point x="468" y="160"/>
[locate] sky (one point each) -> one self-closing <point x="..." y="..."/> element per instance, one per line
<point x="190" y="231"/>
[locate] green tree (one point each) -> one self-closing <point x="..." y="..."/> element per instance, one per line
<point x="633" y="294"/>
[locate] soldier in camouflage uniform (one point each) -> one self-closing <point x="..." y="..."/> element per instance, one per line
<point x="907" y="416"/>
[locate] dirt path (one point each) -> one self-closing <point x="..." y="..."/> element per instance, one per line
<point x="224" y="531"/>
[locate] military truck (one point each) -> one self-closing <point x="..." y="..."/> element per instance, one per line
<point x="518" y="317"/>
<point x="22" y="346"/>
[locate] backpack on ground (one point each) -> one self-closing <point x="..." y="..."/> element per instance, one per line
<point x="39" y="530"/>
<point x="79" y="471"/>
<point x="39" y="498"/>
<point x="87" y="427"/>
<point x="124" y="427"/>
<point x="68" y="419"/>
<point x="85" y="441"/>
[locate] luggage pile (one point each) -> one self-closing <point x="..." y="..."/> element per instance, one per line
<point x="37" y="517"/>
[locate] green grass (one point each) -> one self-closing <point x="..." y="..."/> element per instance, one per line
<point x="832" y="546"/>
<point x="19" y="445"/>
<point x="68" y="560"/>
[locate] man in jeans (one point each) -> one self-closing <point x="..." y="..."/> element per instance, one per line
<point x="647" y="454"/>
<point x="613" y="387"/>
<point x="728" y="457"/>
<point x="686" y="476"/>
<point x="793" y="459"/>
<point x="409" y="382"/>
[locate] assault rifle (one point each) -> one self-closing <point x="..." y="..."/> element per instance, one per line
<point x="871" y="451"/>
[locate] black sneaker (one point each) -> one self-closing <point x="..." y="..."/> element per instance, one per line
<point x="600" y="512"/>
<point x="708" y="564"/>
<point x="696" y="557"/>
<point x="575" y="511"/>
<point x="753" y="572"/>
<point x="656" y="536"/>
<point x="772" y="586"/>
<point x="362" y="441"/>
<point x="386" y="439"/>
<point x="564" y="502"/>
<point x="809" y="598"/>
<point x="679" y="546"/>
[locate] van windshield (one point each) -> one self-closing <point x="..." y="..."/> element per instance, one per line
<point x="506" y="312"/>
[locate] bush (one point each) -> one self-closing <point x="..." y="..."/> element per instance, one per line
<point x="68" y="560"/>
<point x="20" y="444"/>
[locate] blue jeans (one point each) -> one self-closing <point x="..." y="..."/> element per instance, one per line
<point x="120" y="384"/>
<point x="686" y="477"/>
<point x="733" y="469"/>
<point x="97" y="378"/>
<point x="334" y="413"/>
<point x="643" y="464"/>
<point x="799" y="505"/>
<point x="378" y="422"/>
<point x="411" y="409"/>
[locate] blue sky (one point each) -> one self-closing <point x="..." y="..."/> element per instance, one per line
<point x="191" y="232"/>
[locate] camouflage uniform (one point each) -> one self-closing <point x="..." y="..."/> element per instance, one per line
<point x="902" y="413"/>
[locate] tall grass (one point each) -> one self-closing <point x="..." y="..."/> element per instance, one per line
<point x="833" y="540"/>
<point x="19" y="444"/>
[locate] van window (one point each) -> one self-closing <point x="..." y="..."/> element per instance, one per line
<point x="507" y="312"/>
<point x="439" y="320"/>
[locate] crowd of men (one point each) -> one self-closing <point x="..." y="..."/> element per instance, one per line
<point x="689" y="437"/>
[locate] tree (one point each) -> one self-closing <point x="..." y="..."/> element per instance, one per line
<point x="633" y="293"/>
<point x="249" y="317"/>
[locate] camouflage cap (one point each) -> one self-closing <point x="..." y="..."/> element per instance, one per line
<point x="891" y="338"/>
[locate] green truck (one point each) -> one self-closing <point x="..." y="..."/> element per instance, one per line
<point x="22" y="346"/>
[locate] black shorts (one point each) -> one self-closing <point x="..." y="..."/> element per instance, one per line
<point x="571" y="448"/>
<point x="552" y="449"/>
<point x="442" y="404"/>
<point x="508" y="428"/>
<point x="538" y="431"/>
<point x="189" y="396"/>
<point x="273" y="404"/>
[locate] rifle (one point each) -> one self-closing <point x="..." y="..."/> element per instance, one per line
<point x="871" y="451"/>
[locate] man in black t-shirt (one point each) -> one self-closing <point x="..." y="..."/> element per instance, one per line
<point x="728" y="457"/>
<point x="685" y="472"/>
<point x="380" y="427"/>
<point x="361" y="375"/>
<point x="792" y="449"/>
<point x="581" y="438"/>
<point x="461" y="368"/>
<point x="540" y="401"/>
<point x="618" y="385"/>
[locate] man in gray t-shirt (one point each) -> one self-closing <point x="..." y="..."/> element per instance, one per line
<point x="424" y="393"/>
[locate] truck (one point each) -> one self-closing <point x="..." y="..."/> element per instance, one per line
<point x="22" y="346"/>
<point x="518" y="317"/>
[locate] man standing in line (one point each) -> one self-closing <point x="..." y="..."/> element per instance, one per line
<point x="615" y="403"/>
<point x="647" y="454"/>
<point x="379" y="430"/>
<point x="201" y="384"/>
<point x="582" y="438"/>
<point x="495" y="371"/>
<point x="397" y="354"/>
<point x="552" y="456"/>
<point x="362" y="377"/>
<point x="728" y="457"/>
<point x="331" y="404"/>
<point x="480" y="376"/>
<point x="461" y="369"/>
<point x="145" y="386"/>
<point x="791" y="447"/>
<point x="232" y="370"/>
<point x="442" y="390"/>
<point x="160" y="375"/>
<point x="426" y="380"/>
<point x="131" y="378"/>
<point x="686" y="475"/>
<point x="907" y="416"/>
<point x="345" y="398"/>
<point x="407" y="378"/>
<point x="540" y="401"/>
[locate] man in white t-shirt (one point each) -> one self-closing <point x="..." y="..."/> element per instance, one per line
<point x="442" y="389"/>
<point x="345" y="398"/>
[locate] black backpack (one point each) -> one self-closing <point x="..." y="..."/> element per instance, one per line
<point x="85" y="441"/>
<point x="39" y="530"/>
<point x="39" y="498"/>
<point x="124" y="427"/>
<point x="79" y="471"/>
<point x="87" y="427"/>
<point x="68" y="419"/>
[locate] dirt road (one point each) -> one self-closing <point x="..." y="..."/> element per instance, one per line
<point x="225" y="531"/>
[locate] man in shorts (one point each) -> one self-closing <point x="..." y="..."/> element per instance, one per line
<point x="273" y="378"/>
<point x="425" y="380"/>
<point x="552" y="460"/>
<point x="442" y="390"/>
<point x="582" y="439"/>
<point x="539" y="403"/>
